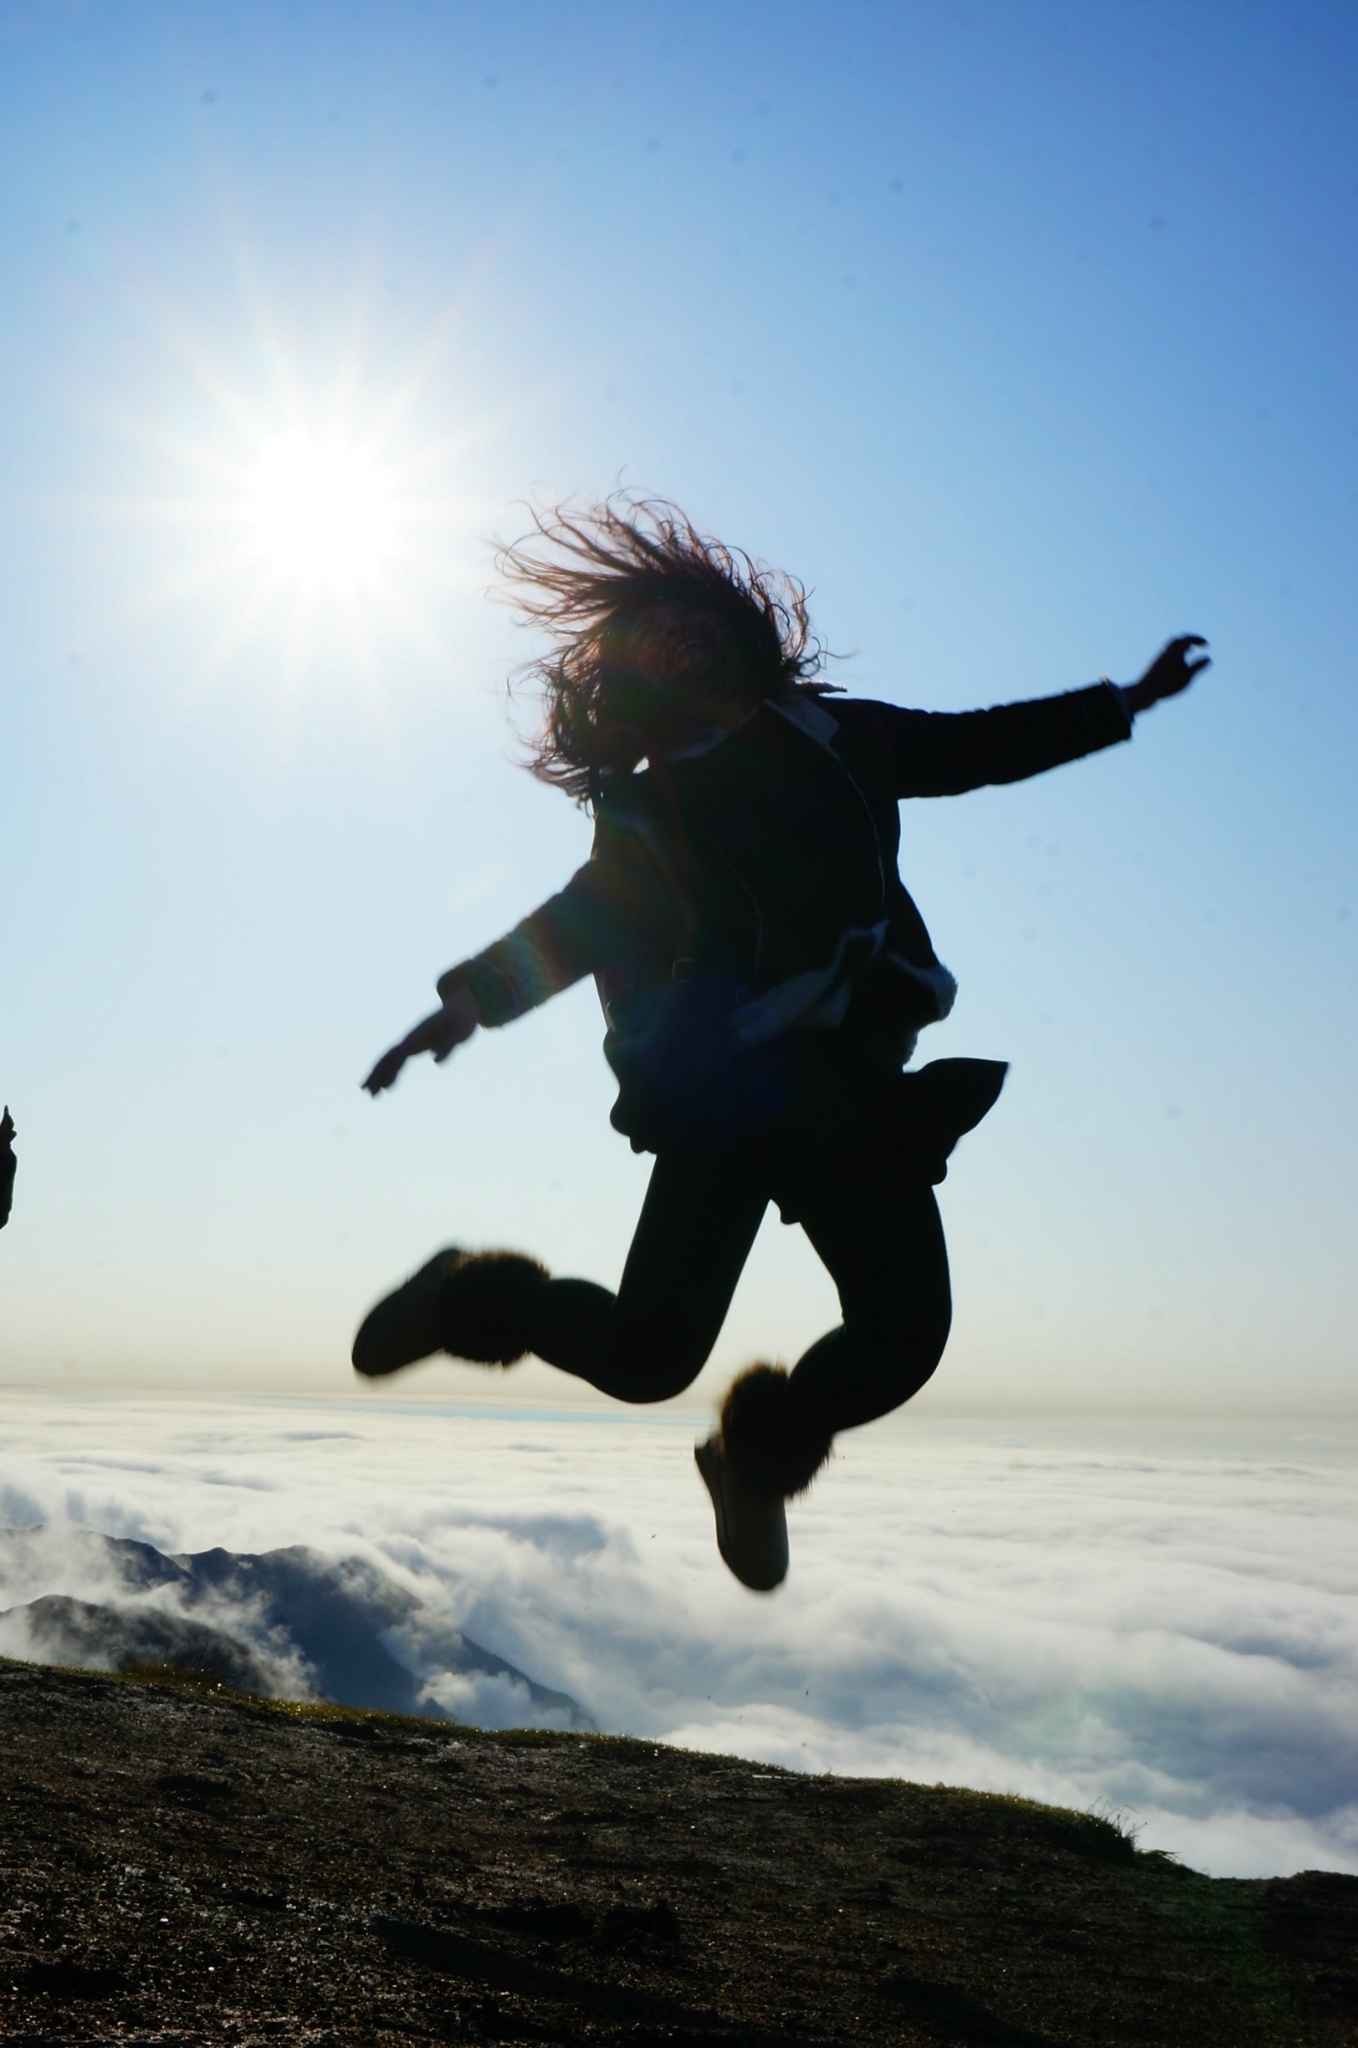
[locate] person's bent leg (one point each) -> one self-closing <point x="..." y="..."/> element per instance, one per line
<point x="884" y="1249"/>
<point x="887" y="1257"/>
<point x="650" y="1340"/>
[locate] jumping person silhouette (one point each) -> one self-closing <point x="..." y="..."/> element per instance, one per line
<point x="764" y="977"/>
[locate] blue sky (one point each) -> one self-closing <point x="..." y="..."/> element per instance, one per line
<point x="1023" y="335"/>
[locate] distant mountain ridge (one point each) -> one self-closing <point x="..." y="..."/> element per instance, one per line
<point x="286" y="1623"/>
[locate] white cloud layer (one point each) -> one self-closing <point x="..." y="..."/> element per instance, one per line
<point x="1081" y="1615"/>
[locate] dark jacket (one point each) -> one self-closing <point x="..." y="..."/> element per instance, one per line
<point x="757" y="854"/>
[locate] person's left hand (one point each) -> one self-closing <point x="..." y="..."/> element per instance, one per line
<point x="1169" y="673"/>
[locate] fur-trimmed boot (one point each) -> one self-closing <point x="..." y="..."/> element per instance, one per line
<point x="757" y="1459"/>
<point x="474" y="1304"/>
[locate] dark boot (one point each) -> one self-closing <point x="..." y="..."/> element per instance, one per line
<point x="473" y="1304"/>
<point x="754" y="1462"/>
<point x="763" y="1440"/>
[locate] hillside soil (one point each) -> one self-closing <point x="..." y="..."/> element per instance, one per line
<point x="181" y="1865"/>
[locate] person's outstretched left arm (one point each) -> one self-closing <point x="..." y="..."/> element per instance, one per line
<point x="944" y="753"/>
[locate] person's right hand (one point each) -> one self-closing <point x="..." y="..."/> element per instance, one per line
<point x="440" y="1033"/>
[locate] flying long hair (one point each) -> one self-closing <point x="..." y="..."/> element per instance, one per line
<point x="649" y="620"/>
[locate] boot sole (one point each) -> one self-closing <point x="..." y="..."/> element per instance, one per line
<point x="761" y="1565"/>
<point x="404" y="1327"/>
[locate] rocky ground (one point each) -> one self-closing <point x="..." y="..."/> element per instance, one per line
<point x="180" y="1865"/>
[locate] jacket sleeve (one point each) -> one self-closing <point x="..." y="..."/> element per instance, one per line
<point x="615" y="910"/>
<point x="944" y="753"/>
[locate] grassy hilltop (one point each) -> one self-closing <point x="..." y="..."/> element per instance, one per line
<point x="183" y="1865"/>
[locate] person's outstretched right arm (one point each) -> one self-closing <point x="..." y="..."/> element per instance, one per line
<point x="440" y="1033"/>
<point x="619" y="907"/>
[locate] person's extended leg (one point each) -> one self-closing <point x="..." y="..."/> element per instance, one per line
<point x="884" y="1249"/>
<point x="648" y="1341"/>
<point x="645" y="1343"/>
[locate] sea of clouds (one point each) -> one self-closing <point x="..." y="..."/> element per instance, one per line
<point x="1162" y="1624"/>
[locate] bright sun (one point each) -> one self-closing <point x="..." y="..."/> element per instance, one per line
<point x="319" y="526"/>
<point x="321" y="512"/>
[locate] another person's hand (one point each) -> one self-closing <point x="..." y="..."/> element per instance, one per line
<point x="8" y="1166"/>
<point x="1170" y="672"/>
<point x="441" y="1033"/>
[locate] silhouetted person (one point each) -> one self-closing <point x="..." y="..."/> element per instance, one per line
<point x="8" y="1166"/>
<point x="764" y="976"/>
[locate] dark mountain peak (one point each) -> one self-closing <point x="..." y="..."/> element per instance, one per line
<point x="287" y="1622"/>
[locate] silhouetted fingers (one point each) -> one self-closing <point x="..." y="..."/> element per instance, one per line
<point x="1179" y="650"/>
<point x="1182" y="648"/>
<point x="386" y="1070"/>
<point x="1172" y="670"/>
<point x="1175" y="652"/>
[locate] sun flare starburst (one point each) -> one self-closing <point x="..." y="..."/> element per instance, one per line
<point x="322" y="512"/>
<point x="317" y="527"/>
